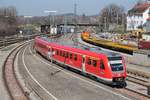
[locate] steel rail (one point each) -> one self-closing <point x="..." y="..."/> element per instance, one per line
<point x="136" y="80"/>
<point x="12" y="84"/>
<point x="8" y="41"/>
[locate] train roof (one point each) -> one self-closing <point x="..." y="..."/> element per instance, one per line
<point x="73" y="45"/>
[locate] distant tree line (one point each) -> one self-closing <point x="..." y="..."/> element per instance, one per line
<point x="8" y="21"/>
<point x="112" y="15"/>
<point x="67" y="18"/>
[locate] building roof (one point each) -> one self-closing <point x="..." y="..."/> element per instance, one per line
<point x="138" y="9"/>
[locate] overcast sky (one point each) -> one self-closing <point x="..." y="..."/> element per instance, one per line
<point x="37" y="7"/>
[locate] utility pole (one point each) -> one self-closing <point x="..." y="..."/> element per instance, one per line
<point x="50" y="13"/>
<point x="105" y="24"/>
<point x="75" y="12"/>
<point x="117" y="19"/>
<point x="75" y="19"/>
<point x="75" y="16"/>
<point x="65" y="24"/>
<point x="123" y="22"/>
<point x="49" y="23"/>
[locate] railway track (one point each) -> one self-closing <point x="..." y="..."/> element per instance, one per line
<point x="12" y="40"/>
<point x="138" y="80"/>
<point x="16" y="91"/>
<point x="134" y="78"/>
<point x="131" y="80"/>
<point x="13" y="86"/>
<point x="11" y="82"/>
<point x="142" y="86"/>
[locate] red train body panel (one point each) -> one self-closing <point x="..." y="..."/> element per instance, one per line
<point x="86" y="61"/>
<point x="144" y="45"/>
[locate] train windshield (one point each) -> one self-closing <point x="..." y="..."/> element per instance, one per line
<point x="116" y="63"/>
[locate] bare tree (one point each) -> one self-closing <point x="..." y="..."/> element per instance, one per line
<point x="112" y="14"/>
<point x="8" y="20"/>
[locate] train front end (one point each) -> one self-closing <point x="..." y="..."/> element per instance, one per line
<point x="118" y="68"/>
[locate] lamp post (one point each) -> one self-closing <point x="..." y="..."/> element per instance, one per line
<point x="50" y="12"/>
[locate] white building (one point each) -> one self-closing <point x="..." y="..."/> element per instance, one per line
<point x="53" y="30"/>
<point x="146" y="36"/>
<point x="137" y="16"/>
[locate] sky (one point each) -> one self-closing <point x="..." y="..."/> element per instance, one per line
<point x="37" y="7"/>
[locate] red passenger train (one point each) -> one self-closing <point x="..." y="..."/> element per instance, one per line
<point x="105" y="66"/>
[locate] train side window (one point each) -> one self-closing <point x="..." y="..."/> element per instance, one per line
<point x="67" y="54"/>
<point x="75" y="57"/>
<point x="57" y="52"/>
<point x="60" y="53"/>
<point x="89" y="62"/>
<point x="48" y="49"/>
<point x="52" y="49"/>
<point x="70" y="55"/>
<point x="64" y="54"/>
<point x="94" y="63"/>
<point x="102" y="64"/>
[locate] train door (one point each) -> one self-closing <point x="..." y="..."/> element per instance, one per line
<point x="49" y="53"/>
<point x="83" y="64"/>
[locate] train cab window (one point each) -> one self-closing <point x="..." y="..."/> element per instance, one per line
<point x="94" y="63"/>
<point x="89" y="61"/>
<point x="70" y="55"/>
<point x="102" y="64"/>
<point x="75" y="57"/>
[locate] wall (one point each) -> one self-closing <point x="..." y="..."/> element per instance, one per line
<point x="136" y="20"/>
<point x="145" y="15"/>
<point x="139" y="59"/>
